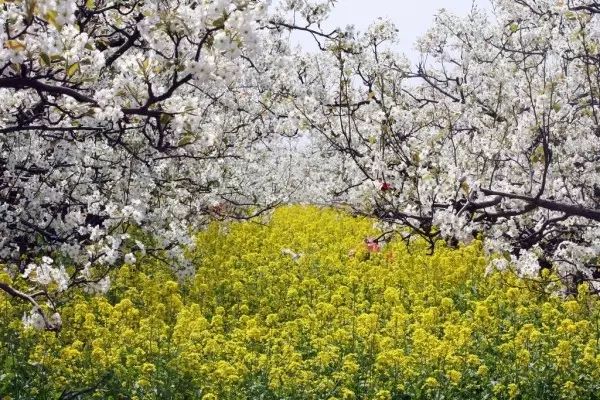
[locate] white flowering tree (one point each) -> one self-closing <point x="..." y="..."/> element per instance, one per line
<point x="496" y="130"/>
<point x="124" y="124"/>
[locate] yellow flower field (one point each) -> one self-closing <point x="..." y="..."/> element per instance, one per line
<point x="299" y="308"/>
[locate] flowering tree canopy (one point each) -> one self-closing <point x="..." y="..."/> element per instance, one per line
<point x="495" y="131"/>
<point x="123" y="120"/>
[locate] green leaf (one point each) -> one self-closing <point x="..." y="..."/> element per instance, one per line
<point x="71" y="70"/>
<point x="45" y="59"/>
<point x="538" y="154"/>
<point x="465" y="187"/>
<point x="15" y="45"/>
<point x="16" y="67"/>
<point x="219" y="22"/>
<point x="51" y="18"/>
<point x="165" y="119"/>
<point x="90" y="4"/>
<point x="186" y="139"/>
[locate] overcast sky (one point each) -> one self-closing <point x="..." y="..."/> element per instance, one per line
<point x="411" y="17"/>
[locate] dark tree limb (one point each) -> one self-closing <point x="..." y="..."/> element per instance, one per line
<point x="570" y="209"/>
<point x="24" y="296"/>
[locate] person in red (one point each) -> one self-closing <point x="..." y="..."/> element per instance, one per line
<point x="372" y="245"/>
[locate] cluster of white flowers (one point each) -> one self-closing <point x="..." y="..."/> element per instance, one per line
<point x="452" y="225"/>
<point x="46" y="273"/>
<point x="35" y="319"/>
<point x="202" y="70"/>
<point x="527" y="263"/>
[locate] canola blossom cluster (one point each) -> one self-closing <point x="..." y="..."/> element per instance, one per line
<point x="300" y="306"/>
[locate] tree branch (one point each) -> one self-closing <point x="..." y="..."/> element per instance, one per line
<point x="30" y="83"/>
<point x="570" y="209"/>
<point x="24" y="296"/>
